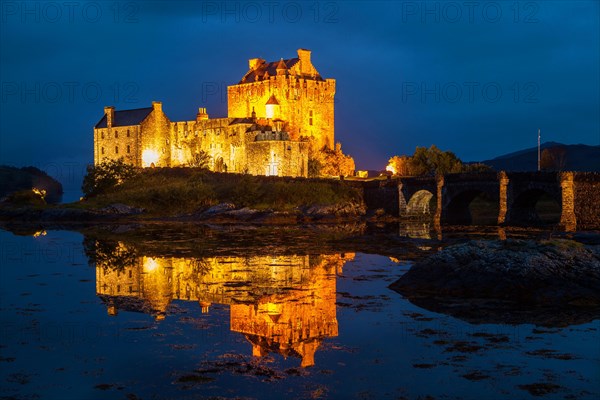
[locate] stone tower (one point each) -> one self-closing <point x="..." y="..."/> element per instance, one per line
<point x="291" y="90"/>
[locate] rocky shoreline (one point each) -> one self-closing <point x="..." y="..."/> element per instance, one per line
<point x="220" y="213"/>
<point x="555" y="273"/>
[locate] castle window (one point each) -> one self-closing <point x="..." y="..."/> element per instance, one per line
<point x="310" y="119"/>
<point x="102" y="135"/>
<point x="130" y="274"/>
<point x="128" y="149"/>
<point x="128" y="133"/>
<point x="102" y="150"/>
<point x="116" y="134"/>
<point x="116" y="149"/>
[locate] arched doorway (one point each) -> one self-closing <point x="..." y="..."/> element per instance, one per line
<point x="219" y="165"/>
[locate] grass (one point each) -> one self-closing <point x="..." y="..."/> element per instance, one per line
<point x="172" y="191"/>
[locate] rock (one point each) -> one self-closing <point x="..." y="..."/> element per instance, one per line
<point x="242" y="213"/>
<point x="121" y="209"/>
<point x="334" y="210"/>
<point x="548" y="273"/>
<point x="218" y="209"/>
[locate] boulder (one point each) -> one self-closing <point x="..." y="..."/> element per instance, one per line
<point x="121" y="209"/>
<point x="549" y="273"/>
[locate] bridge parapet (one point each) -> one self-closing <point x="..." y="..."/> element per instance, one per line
<point x="471" y="177"/>
<point x="586" y="199"/>
<point x="533" y="176"/>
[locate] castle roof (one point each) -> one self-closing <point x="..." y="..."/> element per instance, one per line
<point x="126" y="117"/>
<point x="236" y="121"/>
<point x="281" y="65"/>
<point x="270" y="67"/>
<point x="272" y="100"/>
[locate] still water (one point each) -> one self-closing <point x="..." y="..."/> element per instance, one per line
<point x="160" y="314"/>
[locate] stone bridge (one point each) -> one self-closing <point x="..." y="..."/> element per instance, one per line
<point x="569" y="199"/>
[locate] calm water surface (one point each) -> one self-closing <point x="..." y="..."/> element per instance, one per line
<point x="83" y="318"/>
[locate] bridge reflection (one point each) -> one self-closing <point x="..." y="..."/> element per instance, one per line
<point x="283" y="304"/>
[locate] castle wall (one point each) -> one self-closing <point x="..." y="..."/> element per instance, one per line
<point x="278" y="158"/>
<point x="306" y="104"/>
<point x="155" y="138"/>
<point x="117" y="142"/>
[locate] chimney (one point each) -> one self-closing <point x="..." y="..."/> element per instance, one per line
<point x="304" y="56"/>
<point x="254" y="63"/>
<point x="109" y="111"/>
<point x="202" y="114"/>
<point x="157" y="106"/>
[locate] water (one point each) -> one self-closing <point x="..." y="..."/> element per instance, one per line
<point x="265" y="313"/>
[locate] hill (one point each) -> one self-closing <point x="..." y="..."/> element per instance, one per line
<point x="13" y="179"/>
<point x="577" y="157"/>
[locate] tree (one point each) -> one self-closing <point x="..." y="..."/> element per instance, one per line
<point x="200" y="160"/>
<point x="106" y="175"/>
<point x="428" y="161"/>
<point x="337" y="163"/>
<point x="432" y="161"/>
<point x="399" y="165"/>
<point x="314" y="168"/>
<point x="554" y="158"/>
<point x="325" y="161"/>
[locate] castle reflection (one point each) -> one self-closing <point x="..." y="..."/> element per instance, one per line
<point x="283" y="304"/>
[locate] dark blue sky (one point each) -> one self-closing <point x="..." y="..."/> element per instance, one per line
<point x="477" y="78"/>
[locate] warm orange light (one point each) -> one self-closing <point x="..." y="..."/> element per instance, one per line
<point x="390" y="168"/>
<point x="150" y="264"/>
<point x="149" y="157"/>
<point x="40" y="233"/>
<point x="39" y="192"/>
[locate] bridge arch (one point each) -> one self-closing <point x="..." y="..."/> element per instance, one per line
<point x="473" y="206"/>
<point x="535" y="205"/>
<point x="421" y="203"/>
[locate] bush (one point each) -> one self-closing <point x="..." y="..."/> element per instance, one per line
<point x="105" y="176"/>
<point x="31" y="197"/>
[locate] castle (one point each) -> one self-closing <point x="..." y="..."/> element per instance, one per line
<point x="275" y="113"/>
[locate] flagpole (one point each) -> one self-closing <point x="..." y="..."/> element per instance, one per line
<point x="539" y="154"/>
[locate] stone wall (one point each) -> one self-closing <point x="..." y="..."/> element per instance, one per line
<point x="382" y="195"/>
<point x="277" y="158"/>
<point x="587" y="199"/>
<point x="112" y="143"/>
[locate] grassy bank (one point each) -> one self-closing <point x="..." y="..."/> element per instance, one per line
<point x="172" y="191"/>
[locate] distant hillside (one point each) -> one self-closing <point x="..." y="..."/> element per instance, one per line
<point x="14" y="179"/>
<point x="577" y="157"/>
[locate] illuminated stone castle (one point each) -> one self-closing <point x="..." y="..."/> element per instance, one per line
<point x="274" y="112"/>
<point x="282" y="304"/>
